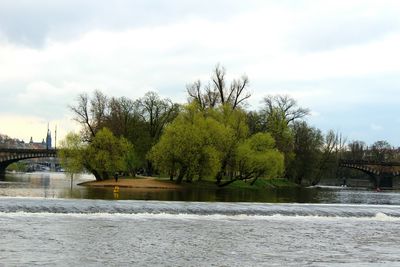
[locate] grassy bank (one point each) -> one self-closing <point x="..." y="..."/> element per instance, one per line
<point x="264" y="184"/>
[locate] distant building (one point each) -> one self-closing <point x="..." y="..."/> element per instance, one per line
<point x="7" y="142"/>
<point x="48" y="139"/>
<point x="41" y="145"/>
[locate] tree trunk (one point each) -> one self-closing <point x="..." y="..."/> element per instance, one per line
<point x="254" y="180"/>
<point x="182" y="173"/>
<point x="219" y="177"/>
<point x="149" y="170"/>
<point x="228" y="182"/>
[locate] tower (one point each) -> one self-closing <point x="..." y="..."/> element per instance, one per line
<point x="48" y="138"/>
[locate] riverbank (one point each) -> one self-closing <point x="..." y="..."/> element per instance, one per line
<point x="158" y="183"/>
<point x="144" y="182"/>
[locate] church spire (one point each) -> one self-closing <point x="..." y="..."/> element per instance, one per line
<point x="48" y="137"/>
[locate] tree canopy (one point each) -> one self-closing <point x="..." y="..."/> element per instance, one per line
<point x="213" y="136"/>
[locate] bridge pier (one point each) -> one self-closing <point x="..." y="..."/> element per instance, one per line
<point x="2" y="171"/>
<point x="378" y="182"/>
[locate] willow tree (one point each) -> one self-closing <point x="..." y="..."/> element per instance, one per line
<point x="107" y="154"/>
<point x="188" y="146"/>
<point x="71" y="155"/>
<point x="236" y="131"/>
<point x="257" y="157"/>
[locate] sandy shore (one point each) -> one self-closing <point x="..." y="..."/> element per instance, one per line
<point x="149" y="183"/>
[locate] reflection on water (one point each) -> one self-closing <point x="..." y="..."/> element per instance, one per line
<point x="57" y="185"/>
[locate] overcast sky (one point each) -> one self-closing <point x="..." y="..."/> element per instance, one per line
<point x="341" y="59"/>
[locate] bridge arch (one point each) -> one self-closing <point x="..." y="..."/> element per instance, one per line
<point x="9" y="156"/>
<point x="381" y="173"/>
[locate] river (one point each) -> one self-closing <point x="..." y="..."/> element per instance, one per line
<point x="43" y="222"/>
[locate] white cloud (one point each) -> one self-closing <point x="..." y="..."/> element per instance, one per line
<point x="339" y="70"/>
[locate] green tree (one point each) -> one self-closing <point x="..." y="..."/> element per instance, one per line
<point x="381" y="151"/>
<point x="308" y="143"/>
<point x="277" y="126"/>
<point x="187" y="147"/>
<point x="131" y="160"/>
<point x="71" y="155"/>
<point x="156" y="113"/>
<point x="257" y="157"/>
<point x="107" y="154"/>
<point x="331" y="151"/>
<point x="140" y="121"/>
<point x="235" y="131"/>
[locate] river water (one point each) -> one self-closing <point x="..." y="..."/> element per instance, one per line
<point x="45" y="223"/>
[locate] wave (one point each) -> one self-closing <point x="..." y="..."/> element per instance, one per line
<point x="214" y="209"/>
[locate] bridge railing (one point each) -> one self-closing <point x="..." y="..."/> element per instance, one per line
<point x="369" y="162"/>
<point x="18" y="150"/>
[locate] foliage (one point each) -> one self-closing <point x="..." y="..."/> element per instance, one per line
<point x="71" y="154"/>
<point x="140" y="121"/>
<point x="18" y="167"/>
<point x="356" y="150"/>
<point x="209" y="137"/>
<point x="277" y="126"/>
<point x="107" y="154"/>
<point x="257" y="157"/>
<point x="308" y="142"/>
<point x="188" y="146"/>
<point x="104" y="155"/>
<point x="381" y="151"/>
<point x="235" y="131"/>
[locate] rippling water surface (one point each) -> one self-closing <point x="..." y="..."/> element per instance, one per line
<point x="45" y="223"/>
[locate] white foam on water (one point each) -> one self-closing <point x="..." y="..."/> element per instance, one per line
<point x="385" y="218"/>
<point x="213" y="217"/>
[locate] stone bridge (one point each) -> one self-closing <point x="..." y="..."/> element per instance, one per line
<point x="382" y="173"/>
<point x="11" y="155"/>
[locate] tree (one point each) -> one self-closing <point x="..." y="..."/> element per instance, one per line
<point x="235" y="132"/>
<point x="188" y="146"/>
<point x="357" y="150"/>
<point x="257" y="157"/>
<point x="285" y="105"/>
<point x="156" y="113"/>
<point x="123" y="115"/>
<point x="91" y="113"/>
<point x="381" y="151"/>
<point x="276" y="125"/>
<point x="131" y="160"/>
<point x="107" y="154"/>
<point x="308" y="142"/>
<point x="71" y="155"/>
<point x="141" y="121"/>
<point x="331" y="150"/>
<point x="218" y="92"/>
<point x="210" y="142"/>
<point x="255" y="122"/>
